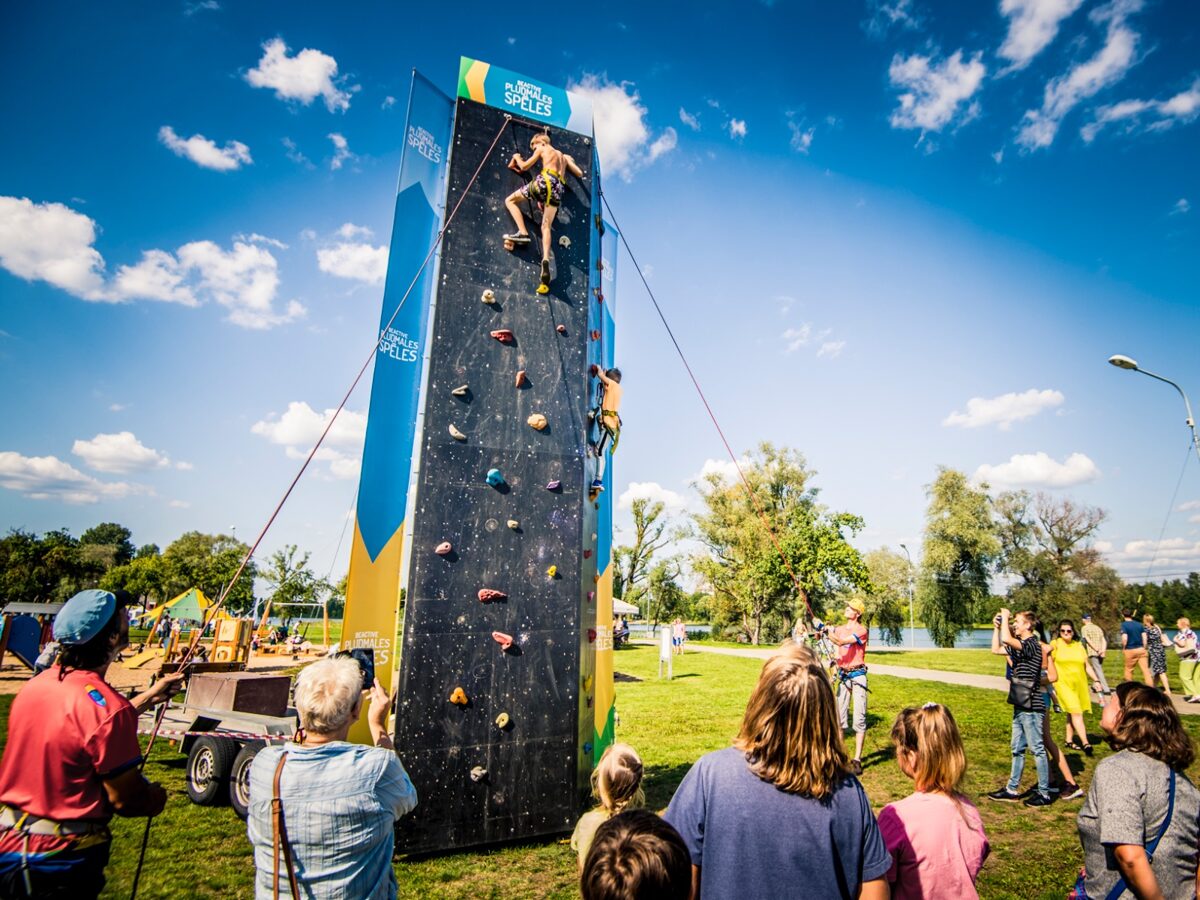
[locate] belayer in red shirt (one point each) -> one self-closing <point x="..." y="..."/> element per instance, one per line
<point x="72" y="758"/>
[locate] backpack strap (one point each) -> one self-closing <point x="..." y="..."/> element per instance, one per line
<point x="1119" y="888"/>
<point x="279" y="836"/>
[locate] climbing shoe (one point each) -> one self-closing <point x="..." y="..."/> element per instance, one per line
<point x="517" y="238"/>
<point x="597" y="485"/>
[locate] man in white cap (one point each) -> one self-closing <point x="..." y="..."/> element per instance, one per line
<point x="72" y="759"/>
<point x="852" y="638"/>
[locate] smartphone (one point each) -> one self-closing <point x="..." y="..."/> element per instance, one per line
<point x="365" y="657"/>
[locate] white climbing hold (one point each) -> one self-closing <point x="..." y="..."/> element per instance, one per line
<point x="478" y="773"/>
<point x="456" y="434"/>
<point x="489" y="296"/>
<point x="564" y="242"/>
<point x="537" y="422"/>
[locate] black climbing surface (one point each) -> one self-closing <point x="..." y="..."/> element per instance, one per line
<point x="537" y="770"/>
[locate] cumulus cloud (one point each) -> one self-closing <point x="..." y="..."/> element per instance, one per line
<point x="688" y="119"/>
<point x="1032" y="25"/>
<point x="298" y="429"/>
<point x="303" y="77"/>
<point x="350" y="231"/>
<point x="1039" y="470"/>
<point x="737" y="129"/>
<point x="1004" y="409"/>
<point x="1170" y="555"/>
<point x="725" y="470"/>
<point x="49" y="478"/>
<point x="1133" y="116"/>
<point x="935" y="94"/>
<point x="1039" y="127"/>
<point x="341" y="151"/>
<point x="206" y="153"/>
<point x="652" y="491"/>
<point x="53" y="243"/>
<point x="119" y="453"/>
<point x="357" y="261"/>
<point x="622" y="133"/>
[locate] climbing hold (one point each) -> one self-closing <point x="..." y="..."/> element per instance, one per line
<point x="537" y="422"/>
<point x="553" y="485"/>
<point x="591" y="596"/>
<point x="587" y="684"/>
<point x="478" y="773"/>
<point x="593" y="370"/>
<point x="596" y="578"/>
<point x="445" y="548"/>
<point x="462" y="390"/>
<point x="494" y="478"/>
<point x="552" y="572"/>
<point x="502" y="721"/>
<point x="589" y="702"/>
<point x="599" y="295"/>
<point x="456" y="434"/>
<point x="489" y="297"/>
<point x="593" y="536"/>
<point x="561" y="329"/>
<point x="514" y="524"/>
<point x="504" y="640"/>
<point x="521" y="379"/>
<point x="491" y="595"/>
<point x="595" y="334"/>
<point x="504" y="335"/>
<point x="600" y="265"/>
<point x="587" y="554"/>
<point x="591" y="635"/>
<point x="564" y="242"/>
<point x="543" y="288"/>
<point x="458" y="697"/>
<point x="587" y="747"/>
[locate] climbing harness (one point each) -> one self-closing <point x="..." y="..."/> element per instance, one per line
<point x="88" y="834"/>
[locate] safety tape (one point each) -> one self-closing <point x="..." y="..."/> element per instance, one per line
<point x="238" y="735"/>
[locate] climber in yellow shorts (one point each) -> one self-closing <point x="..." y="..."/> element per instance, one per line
<point x="546" y="190"/>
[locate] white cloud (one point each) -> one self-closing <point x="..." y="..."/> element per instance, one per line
<point x="1190" y="504"/>
<point x="652" y="491"/>
<point x="52" y="243"/>
<point x="802" y="138"/>
<point x="737" y="129"/>
<point x="298" y="429"/>
<point x="350" y="231"/>
<point x="1169" y="555"/>
<point x="294" y="154"/>
<point x="1032" y="25"/>
<point x="360" y="262"/>
<point x="691" y="121"/>
<point x="119" y="453"/>
<point x="206" y="153"/>
<point x="179" y="504"/>
<point x="725" y="470"/>
<point x="255" y="238"/>
<point x="831" y="349"/>
<point x="158" y="276"/>
<point x="1004" y="409"/>
<point x="304" y="77"/>
<point x="889" y="14"/>
<point x="388" y="102"/>
<point x="1146" y="115"/>
<point x="192" y="7"/>
<point x="49" y="478"/>
<point x="663" y="144"/>
<point x="184" y="466"/>
<point x="1181" y="207"/>
<point x="116" y="407"/>
<point x="341" y="151"/>
<point x="1039" y="470"/>
<point x="797" y="337"/>
<point x="935" y="93"/>
<point x="1086" y="79"/>
<point x="622" y="134"/>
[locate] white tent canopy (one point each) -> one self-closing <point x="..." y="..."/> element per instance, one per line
<point x="621" y="608"/>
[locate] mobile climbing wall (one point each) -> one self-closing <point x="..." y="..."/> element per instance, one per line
<point x="499" y="738"/>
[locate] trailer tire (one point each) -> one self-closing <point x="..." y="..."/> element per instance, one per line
<point x="239" y="778"/>
<point x="209" y="765"/>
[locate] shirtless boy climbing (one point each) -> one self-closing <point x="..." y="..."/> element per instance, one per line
<point x="546" y="189"/>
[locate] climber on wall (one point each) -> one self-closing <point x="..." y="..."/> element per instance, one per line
<point x="546" y="189"/>
<point x="609" y="420"/>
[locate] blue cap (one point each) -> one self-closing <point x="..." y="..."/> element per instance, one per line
<point x="82" y="617"/>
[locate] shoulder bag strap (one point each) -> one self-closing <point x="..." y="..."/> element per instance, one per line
<point x="279" y="836"/>
<point x="1151" y="846"/>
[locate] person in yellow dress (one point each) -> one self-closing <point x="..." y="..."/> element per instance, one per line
<point x="1074" y="673"/>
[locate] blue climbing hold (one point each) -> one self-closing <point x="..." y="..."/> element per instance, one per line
<point x="494" y="478"/>
<point x="587" y="748"/>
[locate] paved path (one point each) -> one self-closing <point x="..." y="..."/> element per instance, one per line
<point x="991" y="682"/>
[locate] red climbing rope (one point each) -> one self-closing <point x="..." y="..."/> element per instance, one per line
<point x="708" y="408"/>
<point x="211" y="613"/>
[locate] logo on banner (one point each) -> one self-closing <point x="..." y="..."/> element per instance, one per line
<point x="528" y="98"/>
<point x="398" y="345"/>
<point x="604" y="638"/>
<point x="422" y="141"/>
<point x="370" y="640"/>
<point x="606" y="272"/>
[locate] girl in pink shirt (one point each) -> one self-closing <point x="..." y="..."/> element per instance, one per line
<point x="935" y="836"/>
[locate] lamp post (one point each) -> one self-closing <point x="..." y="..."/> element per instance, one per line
<point x="1124" y="362"/>
<point x="912" y="628"/>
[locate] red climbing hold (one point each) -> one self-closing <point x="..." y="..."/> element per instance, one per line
<point x="595" y="334"/>
<point x="553" y="485"/>
<point x="445" y="548"/>
<point x="561" y="329"/>
<point x="591" y="596"/>
<point x="593" y="370"/>
<point x="521" y="379"/>
<point x="591" y="635"/>
<point x="587" y="554"/>
<point x="504" y="640"/>
<point x="504" y="335"/>
<point x="491" y="595"/>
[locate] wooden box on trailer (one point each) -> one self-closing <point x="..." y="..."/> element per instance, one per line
<point x="246" y="692"/>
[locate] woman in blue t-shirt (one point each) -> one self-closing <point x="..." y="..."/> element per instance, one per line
<point x="1133" y="642"/>
<point x="780" y="808"/>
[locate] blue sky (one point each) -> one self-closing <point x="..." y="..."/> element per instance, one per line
<point x="892" y="234"/>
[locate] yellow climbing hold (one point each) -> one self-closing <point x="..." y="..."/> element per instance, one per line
<point x="552" y="571"/>
<point x="537" y="422"/>
<point x="502" y="721"/>
<point x="543" y="288"/>
<point x="459" y="697"/>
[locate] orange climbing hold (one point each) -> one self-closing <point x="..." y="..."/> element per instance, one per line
<point x="458" y="697"/>
<point x="491" y="595"/>
<point x="561" y="329"/>
<point x="504" y="335"/>
<point x="504" y="640"/>
<point x="522" y="380"/>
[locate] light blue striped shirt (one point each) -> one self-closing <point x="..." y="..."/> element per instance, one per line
<point x="340" y="805"/>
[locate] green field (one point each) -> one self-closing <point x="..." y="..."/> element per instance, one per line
<point x="203" y="852"/>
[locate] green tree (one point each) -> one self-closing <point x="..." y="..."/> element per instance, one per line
<point x="208" y="562"/>
<point x="110" y="534"/>
<point x="959" y="549"/>
<point x="886" y="597"/>
<point x="633" y="561"/>
<point x="142" y="576"/>
<point x="291" y="582"/>
<point x="663" y="595"/>
<point x="749" y="573"/>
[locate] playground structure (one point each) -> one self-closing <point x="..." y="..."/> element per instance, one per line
<point x="26" y="628"/>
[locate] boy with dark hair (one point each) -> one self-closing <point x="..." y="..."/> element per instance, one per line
<point x="546" y="190"/>
<point x="610" y="421"/>
<point x="637" y="855"/>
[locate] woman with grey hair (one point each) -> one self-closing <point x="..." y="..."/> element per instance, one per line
<point x="324" y="808"/>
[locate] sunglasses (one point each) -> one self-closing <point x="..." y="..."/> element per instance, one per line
<point x="1066" y="631"/>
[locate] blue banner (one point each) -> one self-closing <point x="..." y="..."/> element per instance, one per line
<point x="523" y="96"/>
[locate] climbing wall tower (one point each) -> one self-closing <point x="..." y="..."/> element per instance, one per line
<point x="496" y="718"/>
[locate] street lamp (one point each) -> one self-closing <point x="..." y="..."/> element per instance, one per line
<point x="1124" y="362"/>
<point x="912" y="628"/>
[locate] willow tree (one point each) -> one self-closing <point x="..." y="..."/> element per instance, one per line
<point x="959" y="550"/>
<point x="751" y="548"/>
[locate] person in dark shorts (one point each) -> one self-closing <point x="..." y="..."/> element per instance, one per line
<point x="546" y="189"/>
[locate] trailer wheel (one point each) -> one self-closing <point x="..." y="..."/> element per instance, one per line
<point x="208" y="768"/>
<point x="239" y="778"/>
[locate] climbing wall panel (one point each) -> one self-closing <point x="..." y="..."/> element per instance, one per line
<point x="480" y="783"/>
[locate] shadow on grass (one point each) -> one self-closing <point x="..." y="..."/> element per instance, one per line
<point x="660" y="783"/>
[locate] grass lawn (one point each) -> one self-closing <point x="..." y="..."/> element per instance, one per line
<point x="203" y="852"/>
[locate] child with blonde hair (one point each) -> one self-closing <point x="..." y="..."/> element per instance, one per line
<point x="935" y="836"/>
<point x="617" y="786"/>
